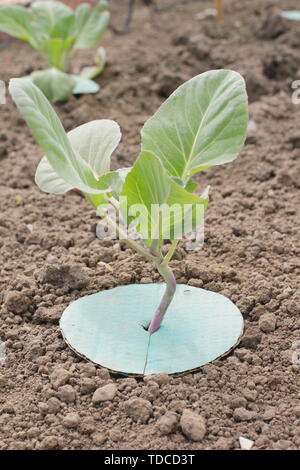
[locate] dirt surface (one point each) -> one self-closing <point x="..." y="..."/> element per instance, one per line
<point x="49" y="254"/>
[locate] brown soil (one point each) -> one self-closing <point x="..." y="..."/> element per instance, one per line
<point x="49" y="254"/>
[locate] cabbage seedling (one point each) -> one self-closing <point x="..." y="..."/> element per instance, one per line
<point x="57" y="32"/>
<point x="202" y="124"/>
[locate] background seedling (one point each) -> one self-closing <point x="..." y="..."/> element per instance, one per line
<point x="219" y="10"/>
<point x="57" y="32"/>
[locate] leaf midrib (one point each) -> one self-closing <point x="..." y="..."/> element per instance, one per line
<point x="187" y="162"/>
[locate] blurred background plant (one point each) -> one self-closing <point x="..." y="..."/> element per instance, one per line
<point x="58" y="32"/>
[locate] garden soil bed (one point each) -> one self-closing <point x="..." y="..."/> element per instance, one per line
<point x="50" y="256"/>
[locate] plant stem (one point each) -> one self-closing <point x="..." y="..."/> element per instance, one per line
<point x="162" y="267"/>
<point x="135" y="246"/>
<point x="167" y="273"/>
<point x="219" y="9"/>
<point x="171" y="251"/>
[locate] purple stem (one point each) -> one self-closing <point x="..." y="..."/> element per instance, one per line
<point x="168" y="276"/>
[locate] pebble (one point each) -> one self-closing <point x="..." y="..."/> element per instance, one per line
<point x="138" y="409"/>
<point x="50" y="442"/>
<point x="87" y="385"/>
<point x="3" y="381"/>
<point x="269" y="414"/>
<point x="59" y="377"/>
<point x="106" y="393"/>
<point x="152" y="391"/>
<point x="237" y="402"/>
<point x="71" y="420"/>
<point x="251" y="338"/>
<point x="67" y="276"/>
<point x="98" y="438"/>
<point x="161" y="379"/>
<point x="167" y="423"/>
<point x="115" y="435"/>
<point x="47" y="315"/>
<point x="193" y="425"/>
<point x="297" y="411"/>
<point x="88" y="370"/>
<point x="87" y="425"/>
<point x="54" y="405"/>
<point x="250" y="395"/>
<point x="223" y="444"/>
<point x="241" y="414"/>
<point x="17" y="302"/>
<point x="67" y="394"/>
<point x="246" y="444"/>
<point x="267" y="322"/>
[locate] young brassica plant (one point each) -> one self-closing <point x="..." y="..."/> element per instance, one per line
<point x="57" y="32"/>
<point x="203" y="123"/>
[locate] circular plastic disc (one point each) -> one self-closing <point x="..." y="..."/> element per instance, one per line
<point x="84" y="85"/>
<point x="291" y="15"/>
<point x="109" y="329"/>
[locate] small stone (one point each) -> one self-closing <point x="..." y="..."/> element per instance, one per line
<point x="47" y="315"/>
<point x="67" y="394"/>
<point x="59" y="377"/>
<point x="138" y="409"/>
<point x="17" y="302"/>
<point x="69" y="276"/>
<point x="237" y="402"/>
<point x="32" y="432"/>
<point x="211" y="372"/>
<point x="297" y="411"/>
<point x="35" y="349"/>
<point x="87" y="425"/>
<point x="151" y="391"/>
<point x="103" y="374"/>
<point x="241" y="414"/>
<point x="195" y="271"/>
<point x="88" y="370"/>
<point x="193" y="425"/>
<point x="283" y="444"/>
<point x="124" y="278"/>
<point x="98" y="438"/>
<point x="127" y="384"/>
<point x="54" y="405"/>
<point x="195" y="282"/>
<point x="71" y="420"/>
<point x="250" y="395"/>
<point x="269" y="414"/>
<point x="267" y="322"/>
<point x="161" y="379"/>
<point x="115" y="435"/>
<point x="87" y="385"/>
<point x="50" y="442"/>
<point x="167" y="423"/>
<point x="106" y="393"/>
<point x="246" y="444"/>
<point x="3" y="381"/>
<point x="223" y="444"/>
<point x="251" y="338"/>
<point x="43" y="408"/>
